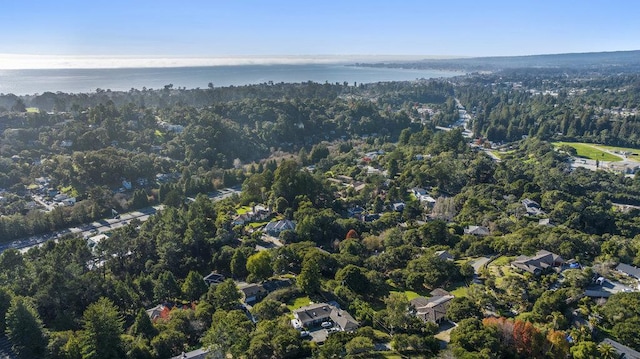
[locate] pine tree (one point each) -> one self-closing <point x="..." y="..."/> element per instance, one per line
<point x="194" y="286"/>
<point x="25" y="330"/>
<point x="102" y="326"/>
<point x="142" y="326"/>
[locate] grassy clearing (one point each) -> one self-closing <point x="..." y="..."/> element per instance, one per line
<point x="257" y="224"/>
<point x="458" y="289"/>
<point x="33" y="110"/>
<point x="298" y="303"/>
<point x="243" y="209"/>
<point x="632" y="153"/>
<point x="590" y="151"/>
<point x="501" y="261"/>
<point x="410" y="294"/>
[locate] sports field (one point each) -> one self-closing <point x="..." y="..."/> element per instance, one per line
<point x="592" y="151"/>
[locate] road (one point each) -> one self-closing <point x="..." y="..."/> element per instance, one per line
<point x="105" y="225"/>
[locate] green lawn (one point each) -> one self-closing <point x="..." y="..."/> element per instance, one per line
<point x="410" y="294"/>
<point x="243" y="209"/>
<point x="633" y="154"/>
<point x="33" y="110"/>
<point x="501" y="261"/>
<point x="458" y="289"/>
<point x="590" y="151"/>
<point x="298" y="302"/>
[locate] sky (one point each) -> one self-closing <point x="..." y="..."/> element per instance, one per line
<point x="70" y="30"/>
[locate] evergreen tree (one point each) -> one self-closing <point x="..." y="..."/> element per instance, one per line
<point x="142" y="326"/>
<point x="194" y="286"/>
<point x="309" y="278"/>
<point x="25" y="330"/>
<point x="102" y="327"/>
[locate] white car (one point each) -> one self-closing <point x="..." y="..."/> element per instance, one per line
<point x="326" y="324"/>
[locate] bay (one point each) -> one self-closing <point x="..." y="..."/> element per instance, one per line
<point x="29" y="82"/>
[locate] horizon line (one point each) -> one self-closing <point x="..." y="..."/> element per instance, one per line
<point x="46" y="62"/>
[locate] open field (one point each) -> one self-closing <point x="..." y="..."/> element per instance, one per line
<point x="590" y="151"/>
<point x="411" y="294"/>
<point x="298" y="302"/>
<point x="632" y="153"/>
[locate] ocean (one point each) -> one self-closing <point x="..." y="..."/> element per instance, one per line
<point x="29" y="82"/>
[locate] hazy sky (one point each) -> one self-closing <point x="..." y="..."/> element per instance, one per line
<point x="190" y="28"/>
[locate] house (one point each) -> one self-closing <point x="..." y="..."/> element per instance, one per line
<point x="257" y="213"/>
<point x="252" y="292"/>
<point x="69" y="201"/>
<point x="433" y="309"/>
<point x="196" y="354"/>
<point x="160" y="311"/>
<point x="545" y="222"/>
<point x="444" y="255"/>
<point x="423" y="197"/>
<point x="622" y="350"/>
<point x="315" y="314"/>
<point x="398" y="206"/>
<point x="478" y="231"/>
<point x="542" y="261"/>
<point x="274" y="228"/>
<point x="214" y="278"/>
<point x="344" y="320"/>
<point x="532" y="207"/>
<point x="312" y="315"/>
<point x="629" y="270"/>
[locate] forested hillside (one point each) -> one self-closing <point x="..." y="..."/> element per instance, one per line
<point x="364" y="201"/>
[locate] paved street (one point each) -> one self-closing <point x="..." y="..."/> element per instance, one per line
<point x="105" y="225"/>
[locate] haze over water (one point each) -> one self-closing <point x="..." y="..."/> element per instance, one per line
<point x="31" y="81"/>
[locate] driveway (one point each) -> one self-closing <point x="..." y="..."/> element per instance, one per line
<point x="477" y="264"/>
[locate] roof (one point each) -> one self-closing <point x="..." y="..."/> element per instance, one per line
<point x="196" y="354"/>
<point x="214" y="278"/>
<point x="323" y="311"/>
<point x="433" y="309"/>
<point x="313" y="312"/>
<point x="280" y="226"/>
<point x="623" y="350"/>
<point x="477" y="230"/>
<point x="250" y="290"/>
<point x="444" y="255"/>
<point x="344" y="319"/>
<point x="629" y="270"/>
<point x="542" y="260"/>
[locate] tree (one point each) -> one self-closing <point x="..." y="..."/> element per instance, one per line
<point x="359" y="345"/>
<point x="229" y="333"/>
<point x="463" y="308"/>
<point x="471" y="336"/>
<point x="309" y="279"/>
<point x="259" y="266"/>
<point x="268" y="309"/>
<point x="354" y="278"/>
<point x="19" y="106"/>
<point x="194" y="286"/>
<point x="607" y="351"/>
<point x="225" y="295"/>
<point x="102" y="327"/>
<point x="24" y="329"/>
<point x="5" y="303"/>
<point x="585" y="350"/>
<point x="397" y="311"/>
<point x="558" y="344"/>
<point x="239" y="264"/>
<point x="142" y="326"/>
<point x="166" y="286"/>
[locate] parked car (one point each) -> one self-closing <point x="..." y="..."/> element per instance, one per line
<point x="326" y="324"/>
